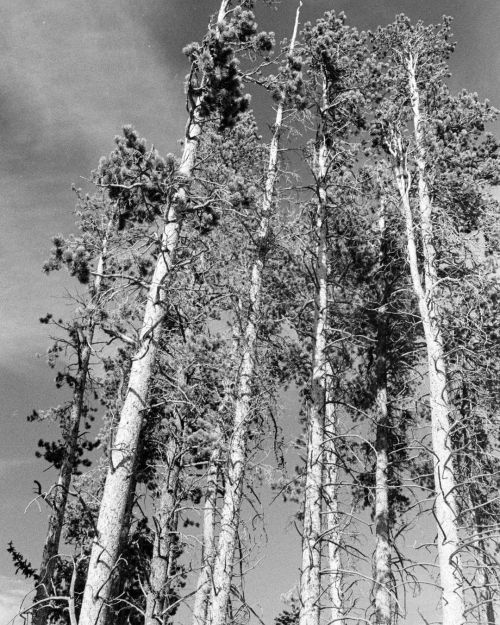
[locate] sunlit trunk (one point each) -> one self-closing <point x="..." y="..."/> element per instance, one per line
<point x="310" y="578"/>
<point x="165" y="522"/>
<point x="224" y="560"/>
<point x="383" y="606"/>
<point x="200" y="609"/>
<point x="123" y="450"/>
<point x="333" y="534"/>
<point x="445" y="509"/>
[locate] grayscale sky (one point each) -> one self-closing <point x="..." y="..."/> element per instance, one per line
<point x="72" y="74"/>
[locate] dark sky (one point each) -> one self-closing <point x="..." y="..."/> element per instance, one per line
<point x="72" y="73"/>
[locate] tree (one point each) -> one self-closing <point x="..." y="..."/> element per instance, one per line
<point x="214" y="85"/>
<point x="224" y="560"/>
<point x="331" y="53"/>
<point x="98" y="223"/>
<point x="408" y="125"/>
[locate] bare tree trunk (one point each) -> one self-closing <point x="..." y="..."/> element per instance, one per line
<point x="445" y="509"/>
<point x="331" y="513"/>
<point x="60" y="497"/>
<point x="486" y="601"/>
<point x="123" y="451"/>
<point x="165" y="534"/>
<point x="118" y="578"/>
<point x="200" y="609"/>
<point x="445" y="505"/>
<point x="310" y="578"/>
<point x="224" y="560"/>
<point x="383" y="578"/>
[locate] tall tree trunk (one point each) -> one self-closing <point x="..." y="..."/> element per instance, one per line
<point x="331" y="498"/>
<point x="166" y="528"/>
<point x="445" y="509"/>
<point x="383" y="607"/>
<point x="123" y="451"/>
<point x="60" y="497"/>
<point x="310" y="578"/>
<point x="224" y="561"/>
<point x="119" y="579"/>
<point x="200" y="609"/>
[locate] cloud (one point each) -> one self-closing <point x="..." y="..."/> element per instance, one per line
<point x="71" y="75"/>
<point x="13" y="593"/>
<point x="9" y="464"/>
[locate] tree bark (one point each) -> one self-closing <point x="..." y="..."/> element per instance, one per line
<point x="123" y="449"/>
<point x="224" y="561"/>
<point x="383" y="578"/>
<point x="445" y="509"/>
<point x="200" y="609"/>
<point x="331" y="513"/>
<point x="60" y="497"/>
<point x="105" y="549"/>
<point x="166" y="528"/>
<point x="310" y="577"/>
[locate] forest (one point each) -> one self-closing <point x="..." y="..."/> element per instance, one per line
<point x="337" y="252"/>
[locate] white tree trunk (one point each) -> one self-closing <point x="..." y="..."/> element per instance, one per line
<point x="200" y="609"/>
<point x="331" y="515"/>
<point x="165" y="521"/>
<point x="105" y="549"/>
<point x="383" y="578"/>
<point x="310" y="577"/>
<point x="123" y="448"/>
<point x="445" y="505"/>
<point x="60" y="498"/>
<point x="224" y="561"/>
<point x="445" y="501"/>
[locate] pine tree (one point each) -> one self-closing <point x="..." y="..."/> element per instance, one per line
<point x="410" y="126"/>
<point x="98" y="220"/>
<point x="214" y="85"/>
<point x="230" y="511"/>
<point x="331" y="53"/>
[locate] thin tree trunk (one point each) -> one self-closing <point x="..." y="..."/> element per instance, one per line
<point x="166" y="528"/>
<point x="310" y="578"/>
<point x="331" y="498"/>
<point x="383" y="607"/>
<point x="486" y="601"/>
<point x="200" y="609"/>
<point x="61" y="489"/>
<point x="445" y="509"/>
<point x="224" y="561"/>
<point x="123" y="451"/>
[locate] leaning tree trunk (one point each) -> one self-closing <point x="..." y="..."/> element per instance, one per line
<point x="200" y="609"/>
<point x="383" y="607"/>
<point x="310" y="577"/>
<point x="445" y="508"/>
<point x="165" y="535"/>
<point x="123" y="451"/>
<point x="333" y="533"/>
<point x="224" y="560"/>
<point x="60" y="497"/>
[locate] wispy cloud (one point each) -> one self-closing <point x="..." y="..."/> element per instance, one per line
<point x="12" y="595"/>
<point x="10" y="464"/>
